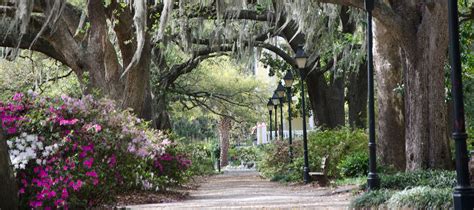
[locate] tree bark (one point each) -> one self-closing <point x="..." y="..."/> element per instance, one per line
<point x="390" y="104"/>
<point x="327" y="100"/>
<point x="426" y="128"/>
<point x="419" y="33"/>
<point x="225" y="124"/>
<point x="357" y="97"/>
<point x="9" y="189"/>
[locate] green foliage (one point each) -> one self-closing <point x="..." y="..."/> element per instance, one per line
<point x="375" y="198"/>
<point x="200" y="154"/>
<point x="338" y="145"/>
<point x="247" y="155"/>
<point x="431" y="178"/>
<point x="39" y="73"/>
<point x="422" y="198"/>
<point x="354" y="165"/>
<point x="418" y="189"/>
<point x="195" y="128"/>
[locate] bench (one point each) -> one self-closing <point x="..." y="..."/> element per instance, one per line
<point x="321" y="177"/>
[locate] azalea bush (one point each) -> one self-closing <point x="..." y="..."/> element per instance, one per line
<point x="77" y="153"/>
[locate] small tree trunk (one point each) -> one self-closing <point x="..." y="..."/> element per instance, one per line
<point x="8" y="189"/>
<point x="225" y="125"/>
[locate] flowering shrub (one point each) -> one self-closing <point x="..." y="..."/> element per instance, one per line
<point x="70" y="152"/>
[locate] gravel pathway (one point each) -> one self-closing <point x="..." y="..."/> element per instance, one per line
<point x="246" y="190"/>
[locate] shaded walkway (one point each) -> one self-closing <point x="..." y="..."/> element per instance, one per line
<point x="245" y="190"/>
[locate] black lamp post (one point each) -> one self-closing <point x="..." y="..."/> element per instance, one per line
<point x="463" y="192"/>
<point x="275" y="101"/>
<point x="270" y="108"/>
<point x="280" y="91"/>
<point x="373" y="180"/>
<point x="300" y="59"/>
<point x="288" y="78"/>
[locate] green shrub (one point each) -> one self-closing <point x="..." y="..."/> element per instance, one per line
<point x="417" y="189"/>
<point x="422" y="197"/>
<point x="355" y="165"/>
<point x="375" y="198"/>
<point x="337" y="144"/>
<point x="429" y="178"/>
<point x="200" y="155"/>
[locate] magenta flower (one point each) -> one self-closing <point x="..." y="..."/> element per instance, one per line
<point x="36" y="204"/>
<point x="68" y="122"/>
<point x="87" y="148"/>
<point x="18" y="96"/>
<point x="11" y="130"/>
<point x="91" y="174"/>
<point x="64" y="194"/>
<point x="76" y="185"/>
<point x="88" y="163"/>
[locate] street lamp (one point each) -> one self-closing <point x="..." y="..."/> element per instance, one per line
<point x="373" y="180"/>
<point x="463" y="192"/>
<point x="276" y="101"/>
<point x="280" y="91"/>
<point x="288" y="78"/>
<point x="270" y="108"/>
<point x="300" y="59"/>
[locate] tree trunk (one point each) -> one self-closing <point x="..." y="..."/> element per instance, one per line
<point x="357" y="97"/>
<point x="225" y="124"/>
<point x="327" y="100"/>
<point x="390" y="119"/>
<point x="161" y="119"/>
<point x="9" y="189"/>
<point x="426" y="128"/>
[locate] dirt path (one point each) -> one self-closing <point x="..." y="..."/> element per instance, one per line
<point x="246" y="190"/>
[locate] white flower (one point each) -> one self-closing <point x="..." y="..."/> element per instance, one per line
<point x="39" y="145"/>
<point x="38" y="161"/>
<point x="22" y="166"/>
<point x="15" y="152"/>
<point x="10" y="143"/>
<point x="20" y="146"/>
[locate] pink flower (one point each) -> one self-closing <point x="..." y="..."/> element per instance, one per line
<point x="21" y="190"/>
<point x="166" y="157"/>
<point x="112" y="161"/>
<point x="95" y="182"/>
<point x="18" y="96"/>
<point x="87" y="148"/>
<point x="36" y="204"/>
<point x="59" y="202"/>
<point x="88" y="163"/>
<point x="91" y="174"/>
<point x="76" y="185"/>
<point x="11" y="130"/>
<point x="64" y="194"/>
<point x="97" y="128"/>
<point x="166" y="142"/>
<point x="68" y="122"/>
